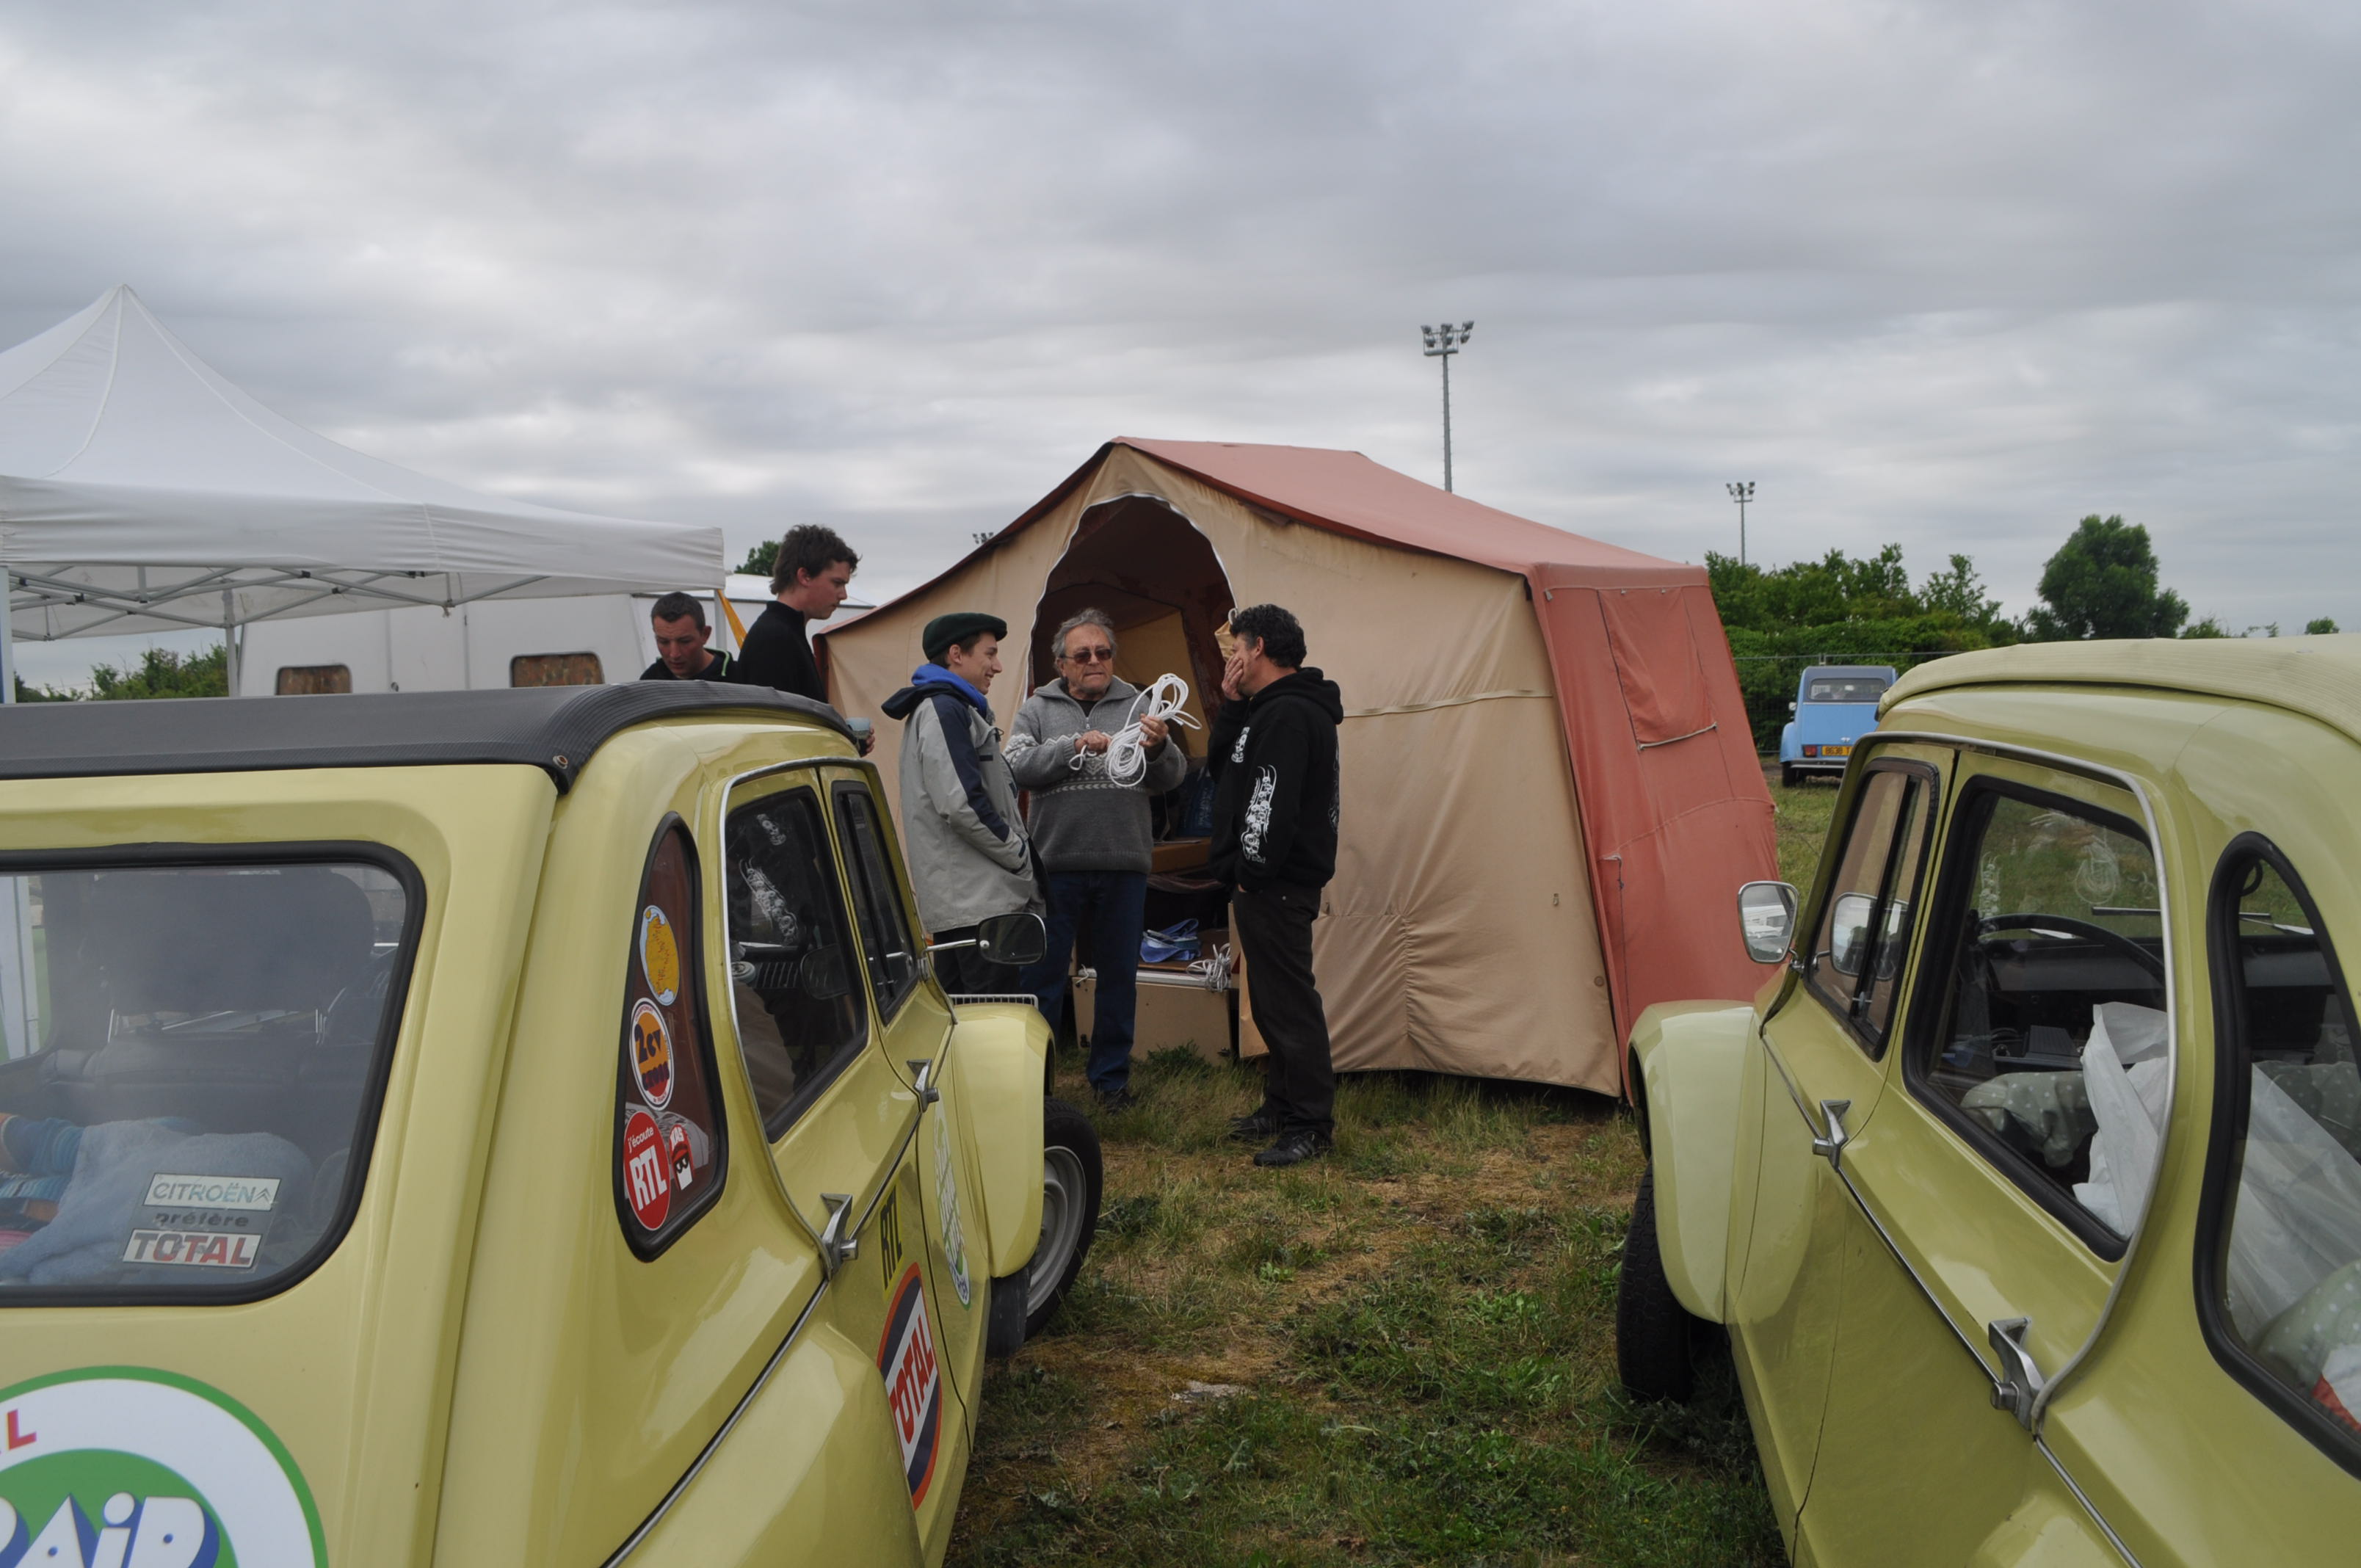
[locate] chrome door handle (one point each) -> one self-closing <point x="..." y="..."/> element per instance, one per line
<point x="836" y="1248"/>
<point x="923" y="1080"/>
<point x="2020" y="1385"/>
<point x="1831" y="1145"/>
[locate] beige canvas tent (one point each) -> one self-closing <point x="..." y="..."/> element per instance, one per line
<point x="1550" y="790"/>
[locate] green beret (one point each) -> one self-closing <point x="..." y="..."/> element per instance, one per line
<point x="957" y="627"/>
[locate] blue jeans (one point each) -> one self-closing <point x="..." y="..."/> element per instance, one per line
<point x="1108" y="908"/>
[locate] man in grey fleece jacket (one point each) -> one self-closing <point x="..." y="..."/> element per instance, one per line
<point x="1094" y="834"/>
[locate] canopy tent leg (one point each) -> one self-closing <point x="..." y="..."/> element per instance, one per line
<point x="229" y="643"/>
<point x="7" y="642"/>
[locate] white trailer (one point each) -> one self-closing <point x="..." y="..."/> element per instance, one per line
<point x="595" y="640"/>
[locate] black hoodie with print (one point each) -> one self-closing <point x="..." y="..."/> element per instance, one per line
<point x="1273" y="759"/>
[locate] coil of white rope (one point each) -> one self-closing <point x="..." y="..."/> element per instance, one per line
<point x="1213" y="971"/>
<point x="1127" y="753"/>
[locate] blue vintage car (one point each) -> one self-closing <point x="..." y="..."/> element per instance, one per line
<point x="1835" y="705"/>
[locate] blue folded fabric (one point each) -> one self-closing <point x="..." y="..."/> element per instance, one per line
<point x="104" y="1202"/>
<point x="1176" y="943"/>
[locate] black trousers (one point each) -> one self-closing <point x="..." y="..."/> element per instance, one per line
<point x="1275" y="928"/>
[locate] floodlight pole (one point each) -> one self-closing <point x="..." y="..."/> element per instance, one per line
<point x="7" y="640"/>
<point x="1442" y="343"/>
<point x="1743" y="491"/>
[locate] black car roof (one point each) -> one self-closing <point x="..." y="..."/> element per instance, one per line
<point x="556" y="728"/>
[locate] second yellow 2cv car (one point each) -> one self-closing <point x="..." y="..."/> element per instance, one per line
<point x="2029" y="1189"/>
<point x="510" y="1127"/>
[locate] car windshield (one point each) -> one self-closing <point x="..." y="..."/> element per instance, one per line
<point x="1845" y="688"/>
<point x="187" y="1056"/>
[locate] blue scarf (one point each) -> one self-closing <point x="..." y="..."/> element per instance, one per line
<point x="932" y="675"/>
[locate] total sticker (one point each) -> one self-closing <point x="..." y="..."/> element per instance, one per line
<point x="651" y="1055"/>
<point x="914" y="1382"/>
<point x="647" y="1185"/>
<point x="659" y="956"/>
<point x="141" y="1469"/>
<point x="209" y="1249"/>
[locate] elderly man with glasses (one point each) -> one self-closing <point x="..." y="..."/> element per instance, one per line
<point x="1093" y="833"/>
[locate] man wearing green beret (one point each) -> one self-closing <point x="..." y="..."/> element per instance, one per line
<point x="969" y="855"/>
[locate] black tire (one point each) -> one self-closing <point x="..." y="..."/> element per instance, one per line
<point x="1651" y="1327"/>
<point x="1073" y="1180"/>
<point x="1790" y="775"/>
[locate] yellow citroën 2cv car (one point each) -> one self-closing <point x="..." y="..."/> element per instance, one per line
<point x="510" y="1127"/>
<point x="2029" y="1187"/>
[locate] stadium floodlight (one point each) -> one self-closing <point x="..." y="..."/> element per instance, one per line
<point x="1742" y="491"/>
<point x="1442" y="343"/>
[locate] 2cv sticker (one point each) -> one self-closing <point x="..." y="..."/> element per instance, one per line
<point x="133" y="1468"/>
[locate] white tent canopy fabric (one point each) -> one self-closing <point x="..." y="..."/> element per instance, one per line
<point x="142" y="492"/>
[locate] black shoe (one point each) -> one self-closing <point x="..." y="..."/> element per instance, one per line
<point x="1112" y="1101"/>
<point x="1293" y="1148"/>
<point x="1261" y="1127"/>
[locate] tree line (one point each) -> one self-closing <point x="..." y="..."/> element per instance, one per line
<point x="2103" y="582"/>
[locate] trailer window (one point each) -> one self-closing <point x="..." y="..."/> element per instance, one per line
<point x="313" y="680"/>
<point x="555" y="670"/>
<point x="190" y="1061"/>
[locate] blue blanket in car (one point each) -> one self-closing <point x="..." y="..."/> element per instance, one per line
<point x="107" y="1201"/>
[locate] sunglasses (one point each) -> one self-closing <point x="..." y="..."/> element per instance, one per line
<point x="1090" y="656"/>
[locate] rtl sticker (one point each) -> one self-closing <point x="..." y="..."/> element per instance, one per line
<point x="647" y="1184"/>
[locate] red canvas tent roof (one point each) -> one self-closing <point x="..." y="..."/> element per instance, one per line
<point x="1673" y="809"/>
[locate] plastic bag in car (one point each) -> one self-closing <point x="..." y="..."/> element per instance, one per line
<point x="2123" y="1071"/>
<point x="2298" y="1219"/>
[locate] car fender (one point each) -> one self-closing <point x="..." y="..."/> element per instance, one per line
<point x="1686" y="1058"/>
<point x="1789" y="747"/>
<point x="1000" y="1053"/>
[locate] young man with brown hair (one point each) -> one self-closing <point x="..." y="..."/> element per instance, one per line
<point x="812" y="577"/>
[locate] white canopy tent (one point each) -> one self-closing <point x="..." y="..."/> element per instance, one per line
<point x="142" y="492"/>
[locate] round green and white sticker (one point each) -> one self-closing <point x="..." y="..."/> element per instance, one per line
<point x="125" y="1465"/>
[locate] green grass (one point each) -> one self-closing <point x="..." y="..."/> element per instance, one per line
<point x="1420" y="1328"/>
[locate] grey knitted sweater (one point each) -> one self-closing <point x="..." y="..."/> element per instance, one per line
<point x="1083" y="820"/>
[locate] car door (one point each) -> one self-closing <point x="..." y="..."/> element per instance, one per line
<point x="1999" y="1181"/>
<point x="840" y="1113"/>
<point x="1817" y="1075"/>
<point x="936" y="1190"/>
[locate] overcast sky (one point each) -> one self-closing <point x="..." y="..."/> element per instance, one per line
<point x="1946" y="275"/>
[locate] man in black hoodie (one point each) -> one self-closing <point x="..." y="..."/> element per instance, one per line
<point x="1273" y="758"/>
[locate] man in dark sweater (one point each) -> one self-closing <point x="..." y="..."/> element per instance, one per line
<point x="811" y="577"/>
<point x="1273" y="759"/>
<point x="681" y="638"/>
<point x="1093" y="832"/>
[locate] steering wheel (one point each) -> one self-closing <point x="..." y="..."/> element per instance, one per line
<point x="2073" y="927"/>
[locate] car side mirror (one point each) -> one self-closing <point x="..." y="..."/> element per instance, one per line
<point x="1766" y="918"/>
<point x="1018" y="938"/>
<point x="1849" y="931"/>
<point x="823" y="974"/>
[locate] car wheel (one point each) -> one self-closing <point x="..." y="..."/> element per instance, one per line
<point x="1789" y="776"/>
<point x="1071" y="1182"/>
<point x="1651" y="1327"/>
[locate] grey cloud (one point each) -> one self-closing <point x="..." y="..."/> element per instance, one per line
<point x="1952" y="276"/>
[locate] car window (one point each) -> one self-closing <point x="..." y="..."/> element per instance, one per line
<point x="894" y="966"/>
<point x="1855" y="964"/>
<point x="191" y="1059"/>
<point x="669" y="1155"/>
<point x="1845" y="688"/>
<point x="2047" y="1044"/>
<point x="2284" y="1187"/>
<point x="794" y="976"/>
